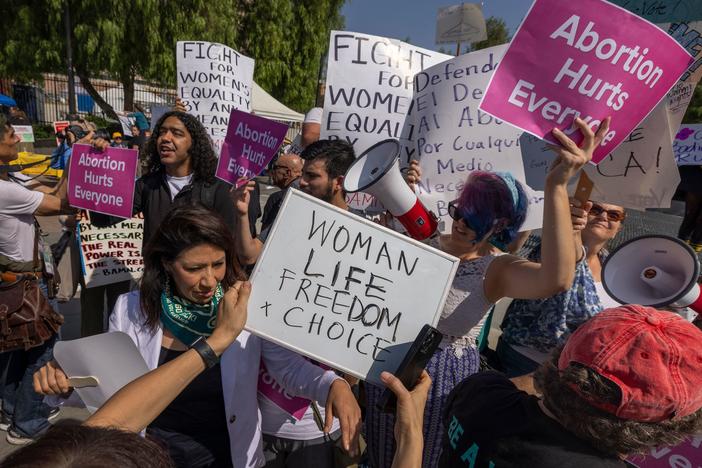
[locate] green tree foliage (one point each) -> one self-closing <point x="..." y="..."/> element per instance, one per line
<point x="694" y="110"/>
<point x="497" y="34"/>
<point x="126" y="39"/>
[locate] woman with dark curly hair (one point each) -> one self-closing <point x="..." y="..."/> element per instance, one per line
<point x="626" y="381"/>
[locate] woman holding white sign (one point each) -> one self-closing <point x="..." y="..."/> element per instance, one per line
<point x="488" y="214"/>
<point x="190" y="268"/>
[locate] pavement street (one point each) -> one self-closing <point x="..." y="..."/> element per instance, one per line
<point x="637" y="223"/>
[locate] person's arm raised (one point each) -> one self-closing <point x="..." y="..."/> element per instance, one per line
<point x="510" y="276"/>
<point x="137" y="404"/>
<point x="247" y="248"/>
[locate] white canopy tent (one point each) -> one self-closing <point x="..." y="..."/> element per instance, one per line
<point x="265" y="105"/>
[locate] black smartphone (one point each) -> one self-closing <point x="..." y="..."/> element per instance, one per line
<point x="412" y="365"/>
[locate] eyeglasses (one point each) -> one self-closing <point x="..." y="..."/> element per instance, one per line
<point x="612" y="215"/>
<point x="275" y="167"/>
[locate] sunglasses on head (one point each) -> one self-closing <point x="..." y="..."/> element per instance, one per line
<point x="612" y="215"/>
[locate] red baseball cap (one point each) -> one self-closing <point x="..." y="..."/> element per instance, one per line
<point x="654" y="357"/>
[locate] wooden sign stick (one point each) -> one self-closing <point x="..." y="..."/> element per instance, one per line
<point x="584" y="188"/>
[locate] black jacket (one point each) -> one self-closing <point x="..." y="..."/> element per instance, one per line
<point x="152" y="197"/>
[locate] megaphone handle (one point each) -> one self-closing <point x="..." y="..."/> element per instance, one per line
<point x="584" y="188"/>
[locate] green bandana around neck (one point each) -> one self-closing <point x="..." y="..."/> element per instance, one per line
<point x="186" y="320"/>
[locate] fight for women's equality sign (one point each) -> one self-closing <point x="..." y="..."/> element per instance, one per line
<point x="351" y="294"/>
<point x="587" y="58"/>
<point x="102" y="181"/>
<point x="213" y="79"/>
<point x="250" y="145"/>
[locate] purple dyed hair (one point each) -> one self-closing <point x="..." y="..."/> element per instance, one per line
<point x="485" y="200"/>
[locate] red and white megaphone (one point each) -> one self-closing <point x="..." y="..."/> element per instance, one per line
<point x="377" y="172"/>
<point x="654" y="271"/>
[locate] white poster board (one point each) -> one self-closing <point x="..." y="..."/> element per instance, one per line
<point x="112" y="358"/>
<point x="111" y="254"/>
<point x="451" y="137"/>
<point x="349" y="293"/>
<point x="687" y="146"/>
<point x="460" y="23"/>
<point x="25" y="132"/>
<point x="369" y="87"/>
<point x="213" y="79"/>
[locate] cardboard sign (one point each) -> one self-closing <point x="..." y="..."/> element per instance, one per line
<point x="590" y="59"/>
<point x="112" y="358"/>
<point x="689" y="35"/>
<point x="460" y="23"/>
<point x="641" y="173"/>
<point x="687" y="454"/>
<point x="348" y="294"/>
<point x="251" y="143"/>
<point x="688" y="145"/>
<point x="111" y="254"/>
<point x="272" y="390"/>
<point x="663" y="11"/>
<point x="451" y="136"/>
<point x="102" y="181"/>
<point x="213" y="79"/>
<point x="25" y="132"/>
<point x="369" y="87"/>
<point x="126" y="124"/>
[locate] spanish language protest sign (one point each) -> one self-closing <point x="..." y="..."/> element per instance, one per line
<point x="451" y="136"/>
<point x="347" y="294"/>
<point x="111" y="254"/>
<point x="688" y="145"/>
<point x="213" y="79"/>
<point x="590" y="59"/>
<point x="250" y="145"/>
<point x="102" y="181"/>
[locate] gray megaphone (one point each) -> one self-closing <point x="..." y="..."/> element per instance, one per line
<point x="655" y="271"/>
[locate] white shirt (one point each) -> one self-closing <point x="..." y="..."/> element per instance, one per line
<point x="17" y="207"/>
<point x="176" y="184"/>
<point x="240" y="366"/>
<point x="606" y="300"/>
<point x="278" y="423"/>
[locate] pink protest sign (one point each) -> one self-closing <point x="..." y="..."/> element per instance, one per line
<point x="269" y="388"/>
<point x="102" y="181"/>
<point x="689" y="453"/>
<point x="587" y="58"/>
<point x="250" y="144"/>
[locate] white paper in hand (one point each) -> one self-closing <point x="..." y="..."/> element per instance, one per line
<point x="112" y="358"/>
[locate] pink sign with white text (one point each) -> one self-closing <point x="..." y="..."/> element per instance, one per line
<point x="102" y="181"/>
<point x="250" y="145"/>
<point x="588" y="58"/>
<point x="687" y="454"/>
<point x="269" y="388"/>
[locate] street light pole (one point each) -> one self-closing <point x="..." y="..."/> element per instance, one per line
<point x="69" y="61"/>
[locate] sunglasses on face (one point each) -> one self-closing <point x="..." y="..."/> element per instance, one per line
<point x="612" y="215"/>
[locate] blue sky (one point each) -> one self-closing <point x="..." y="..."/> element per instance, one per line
<point x="416" y="19"/>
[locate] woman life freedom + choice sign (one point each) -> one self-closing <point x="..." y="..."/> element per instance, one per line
<point x="250" y="145"/>
<point x="349" y="293"/>
<point x="587" y="58"/>
<point x="102" y="181"/>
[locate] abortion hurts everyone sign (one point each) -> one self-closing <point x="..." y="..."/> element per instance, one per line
<point x="351" y="294"/>
<point x="587" y="58"/>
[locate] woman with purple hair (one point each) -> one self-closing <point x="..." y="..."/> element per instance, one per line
<point x="486" y="218"/>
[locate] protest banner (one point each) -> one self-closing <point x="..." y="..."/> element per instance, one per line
<point x="641" y="173"/>
<point x="451" y="136"/>
<point x="25" y="132"/>
<point x="111" y="254"/>
<point x="663" y="11"/>
<point x="688" y="35"/>
<point x="213" y="79"/>
<point x="590" y="59"/>
<point x="126" y="124"/>
<point x="687" y="146"/>
<point x="460" y="23"/>
<point x="686" y="455"/>
<point x="348" y="294"/>
<point x="369" y="87"/>
<point x="102" y="181"/>
<point x="251" y="143"/>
